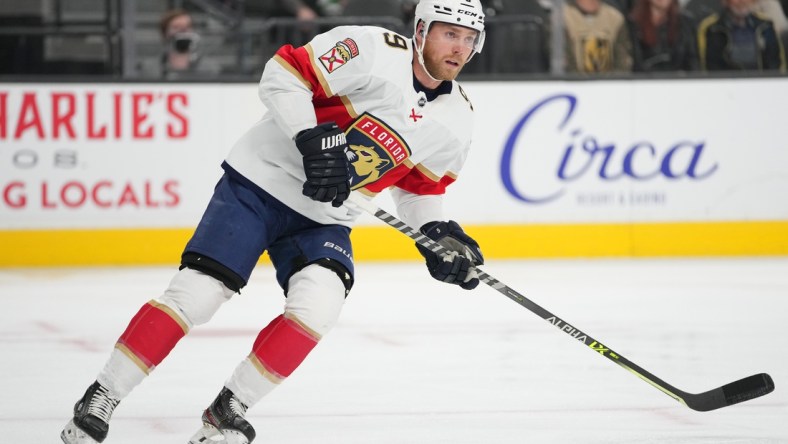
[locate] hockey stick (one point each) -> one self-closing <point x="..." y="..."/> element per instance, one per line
<point x="742" y="390"/>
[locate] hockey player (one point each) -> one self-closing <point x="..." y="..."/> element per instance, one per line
<point x="358" y="108"/>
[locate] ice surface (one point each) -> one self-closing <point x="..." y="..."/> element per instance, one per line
<point x="416" y="361"/>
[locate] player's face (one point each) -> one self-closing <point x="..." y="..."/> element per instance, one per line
<point x="447" y="49"/>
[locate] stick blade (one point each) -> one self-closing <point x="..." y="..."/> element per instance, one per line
<point x="742" y="390"/>
<point x="748" y="388"/>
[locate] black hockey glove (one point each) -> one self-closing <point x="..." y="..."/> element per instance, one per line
<point x="455" y="264"/>
<point x="326" y="165"/>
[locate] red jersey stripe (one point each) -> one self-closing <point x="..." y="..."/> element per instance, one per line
<point x="412" y="180"/>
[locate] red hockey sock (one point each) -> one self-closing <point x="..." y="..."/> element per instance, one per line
<point x="151" y="335"/>
<point x="281" y="347"/>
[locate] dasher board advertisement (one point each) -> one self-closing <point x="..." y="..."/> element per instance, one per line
<point x="647" y="167"/>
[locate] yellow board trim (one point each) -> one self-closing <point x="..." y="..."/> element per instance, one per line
<point x="22" y="248"/>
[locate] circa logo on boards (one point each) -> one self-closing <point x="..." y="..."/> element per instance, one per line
<point x="584" y="155"/>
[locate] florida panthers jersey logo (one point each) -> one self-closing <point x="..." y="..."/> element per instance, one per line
<point x="375" y="149"/>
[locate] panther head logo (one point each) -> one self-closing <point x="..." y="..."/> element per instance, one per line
<point x="367" y="164"/>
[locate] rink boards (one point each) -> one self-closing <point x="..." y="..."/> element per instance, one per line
<point x="120" y="173"/>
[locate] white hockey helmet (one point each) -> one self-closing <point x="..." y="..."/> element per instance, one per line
<point x="467" y="13"/>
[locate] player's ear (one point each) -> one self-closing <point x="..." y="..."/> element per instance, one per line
<point x="420" y="28"/>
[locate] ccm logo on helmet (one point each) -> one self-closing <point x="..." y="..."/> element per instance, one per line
<point x="471" y="13"/>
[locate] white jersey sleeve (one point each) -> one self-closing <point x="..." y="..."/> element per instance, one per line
<point x="287" y="98"/>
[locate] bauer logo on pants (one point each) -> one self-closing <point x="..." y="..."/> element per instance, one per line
<point x="375" y="149"/>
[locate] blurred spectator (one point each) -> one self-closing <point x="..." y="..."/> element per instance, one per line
<point x="663" y="38"/>
<point x="772" y="10"/>
<point x="737" y="39"/>
<point x="180" y="40"/>
<point x="597" y="38"/>
<point x="180" y="56"/>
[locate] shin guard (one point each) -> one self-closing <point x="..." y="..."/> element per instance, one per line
<point x="281" y="347"/>
<point x="151" y="335"/>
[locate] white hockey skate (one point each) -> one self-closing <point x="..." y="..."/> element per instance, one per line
<point x="209" y="434"/>
<point x="90" y="423"/>
<point x="72" y="434"/>
<point x="223" y="422"/>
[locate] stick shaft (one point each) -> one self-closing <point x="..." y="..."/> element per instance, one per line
<point x="745" y="389"/>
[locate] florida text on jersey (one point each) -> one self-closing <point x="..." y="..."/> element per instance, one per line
<point x="360" y="77"/>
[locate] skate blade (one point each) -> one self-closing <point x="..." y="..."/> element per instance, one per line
<point x="72" y="434"/>
<point x="209" y="434"/>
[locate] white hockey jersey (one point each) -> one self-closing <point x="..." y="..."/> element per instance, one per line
<point x="360" y="77"/>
